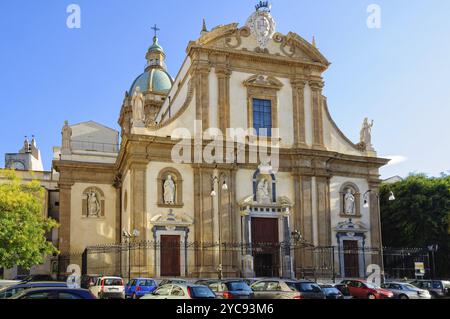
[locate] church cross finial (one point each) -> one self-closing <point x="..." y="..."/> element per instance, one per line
<point x="156" y="29"/>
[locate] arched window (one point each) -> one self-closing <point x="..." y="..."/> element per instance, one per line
<point x="170" y="188"/>
<point x="93" y="205"/>
<point x="350" y="199"/>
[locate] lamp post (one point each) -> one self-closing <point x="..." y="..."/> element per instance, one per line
<point x="215" y="181"/>
<point x="128" y="238"/>
<point x="433" y="249"/>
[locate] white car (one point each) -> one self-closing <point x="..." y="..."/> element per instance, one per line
<point x="403" y="290"/>
<point x="181" y="291"/>
<point x="108" y="288"/>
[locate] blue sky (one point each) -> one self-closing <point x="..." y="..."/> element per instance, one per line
<point x="397" y="75"/>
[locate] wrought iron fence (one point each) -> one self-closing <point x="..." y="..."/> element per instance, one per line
<point x="137" y="259"/>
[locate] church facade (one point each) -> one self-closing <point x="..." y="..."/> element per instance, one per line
<point x="317" y="189"/>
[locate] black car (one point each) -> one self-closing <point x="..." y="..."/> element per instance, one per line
<point x="331" y="292"/>
<point x="16" y="289"/>
<point x="229" y="289"/>
<point x="54" y="293"/>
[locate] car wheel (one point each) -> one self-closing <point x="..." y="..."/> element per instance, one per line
<point x="371" y="297"/>
<point x="403" y="297"/>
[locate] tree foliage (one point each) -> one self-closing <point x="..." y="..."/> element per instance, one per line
<point x="23" y="227"/>
<point x="419" y="217"/>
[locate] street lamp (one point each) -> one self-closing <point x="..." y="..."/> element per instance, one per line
<point x="366" y="197"/>
<point x="129" y="237"/>
<point x="215" y="180"/>
<point x="433" y="249"/>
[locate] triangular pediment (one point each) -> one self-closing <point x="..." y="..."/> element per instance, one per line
<point x="231" y="37"/>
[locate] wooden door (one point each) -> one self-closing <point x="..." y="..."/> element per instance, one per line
<point x="351" y="259"/>
<point x="170" y="256"/>
<point x="266" y="245"/>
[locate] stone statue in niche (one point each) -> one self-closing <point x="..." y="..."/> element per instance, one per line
<point x="169" y="191"/>
<point x="263" y="192"/>
<point x="366" y="134"/>
<point x="94" y="207"/>
<point x="349" y="203"/>
<point x="66" y="133"/>
<point x="138" y="108"/>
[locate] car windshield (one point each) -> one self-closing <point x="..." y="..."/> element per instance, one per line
<point x="238" y="286"/>
<point x="307" y="287"/>
<point x="331" y="290"/>
<point x="201" y="292"/>
<point x="112" y="282"/>
<point x="147" y="283"/>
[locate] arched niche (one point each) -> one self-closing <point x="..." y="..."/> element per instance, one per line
<point x="178" y="181"/>
<point x="257" y="177"/>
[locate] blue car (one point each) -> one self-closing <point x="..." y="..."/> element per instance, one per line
<point x="140" y="287"/>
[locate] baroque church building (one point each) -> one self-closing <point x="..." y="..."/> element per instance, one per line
<point x="248" y="218"/>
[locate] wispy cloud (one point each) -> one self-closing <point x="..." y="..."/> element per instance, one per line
<point x="395" y="159"/>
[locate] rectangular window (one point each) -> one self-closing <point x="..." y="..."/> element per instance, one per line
<point x="262" y="117"/>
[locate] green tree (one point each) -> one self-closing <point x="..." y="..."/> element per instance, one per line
<point x="419" y="217"/>
<point x="23" y="227"/>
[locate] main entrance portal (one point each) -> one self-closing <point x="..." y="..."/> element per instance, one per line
<point x="266" y="247"/>
<point x="170" y="256"/>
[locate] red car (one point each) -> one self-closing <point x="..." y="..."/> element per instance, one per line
<point x="362" y="289"/>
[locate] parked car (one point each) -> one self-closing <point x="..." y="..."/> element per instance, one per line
<point x="403" y="290"/>
<point x="437" y="288"/>
<point x="13" y="290"/>
<point x="54" y="293"/>
<point x="230" y="289"/>
<point x="108" y="288"/>
<point x="343" y="288"/>
<point x="331" y="292"/>
<point x="137" y="288"/>
<point x="181" y="291"/>
<point x="8" y="283"/>
<point x="362" y="289"/>
<point x="87" y="281"/>
<point x="284" y="289"/>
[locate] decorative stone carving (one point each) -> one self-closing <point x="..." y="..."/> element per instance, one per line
<point x="66" y="133"/>
<point x="94" y="207"/>
<point x="93" y="203"/>
<point x="138" y="108"/>
<point x="169" y="191"/>
<point x="262" y="27"/>
<point x="263" y="192"/>
<point x="366" y="135"/>
<point x="349" y="203"/>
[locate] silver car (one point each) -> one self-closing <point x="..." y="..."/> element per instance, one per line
<point x="403" y="290"/>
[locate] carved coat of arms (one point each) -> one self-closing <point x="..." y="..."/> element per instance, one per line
<point x="262" y="27"/>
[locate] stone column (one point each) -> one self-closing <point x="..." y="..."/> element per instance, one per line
<point x="201" y="82"/>
<point x="317" y="112"/>
<point x="298" y="92"/>
<point x="205" y="261"/>
<point x="139" y="216"/>
<point x="223" y="78"/>
<point x="65" y="199"/>
<point x="323" y="210"/>
<point x="227" y="220"/>
<point x="303" y="221"/>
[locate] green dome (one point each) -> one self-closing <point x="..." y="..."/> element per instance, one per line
<point x="153" y="80"/>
